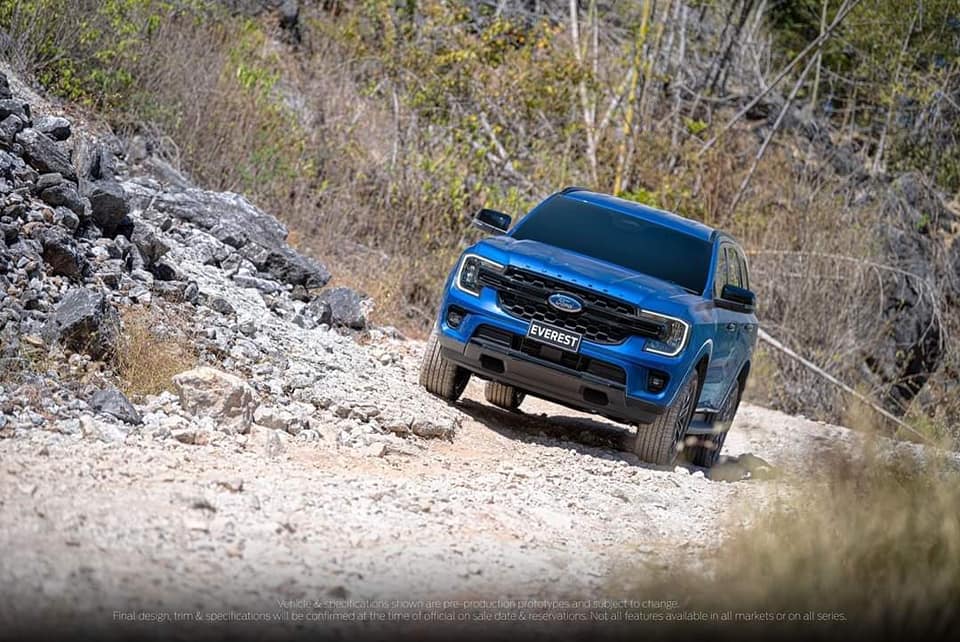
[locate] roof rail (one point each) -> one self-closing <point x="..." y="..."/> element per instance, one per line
<point x="573" y="188"/>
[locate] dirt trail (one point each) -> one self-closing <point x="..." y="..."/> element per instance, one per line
<point x="537" y="504"/>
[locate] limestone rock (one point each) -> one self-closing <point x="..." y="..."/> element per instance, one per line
<point x="224" y="397"/>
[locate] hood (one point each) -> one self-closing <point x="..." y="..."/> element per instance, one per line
<point x="578" y="269"/>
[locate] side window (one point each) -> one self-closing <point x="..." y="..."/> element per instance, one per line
<point x="744" y="274"/>
<point x="721" y="277"/>
<point x="733" y="267"/>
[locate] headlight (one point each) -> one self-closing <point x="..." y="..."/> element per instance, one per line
<point x="468" y="276"/>
<point x="674" y="338"/>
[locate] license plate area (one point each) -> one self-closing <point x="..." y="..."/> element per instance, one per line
<point x="553" y="336"/>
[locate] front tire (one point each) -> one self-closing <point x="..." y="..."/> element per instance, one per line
<point x="503" y="396"/>
<point x="661" y="442"/>
<point x="440" y="377"/>
<point x="706" y="451"/>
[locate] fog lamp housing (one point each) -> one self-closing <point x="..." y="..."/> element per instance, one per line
<point x="455" y="316"/>
<point x="657" y="381"/>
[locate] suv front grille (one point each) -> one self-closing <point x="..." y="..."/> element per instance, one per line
<point x="571" y="360"/>
<point x="604" y="319"/>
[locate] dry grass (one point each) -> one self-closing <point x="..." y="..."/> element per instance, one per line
<point x="872" y="549"/>
<point x="153" y="348"/>
<point x="27" y="360"/>
<point x="878" y="544"/>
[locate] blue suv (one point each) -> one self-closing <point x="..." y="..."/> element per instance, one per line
<point x="606" y="306"/>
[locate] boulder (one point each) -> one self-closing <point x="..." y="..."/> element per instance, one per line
<point x="66" y="218"/>
<point x="289" y="14"/>
<point x="90" y="428"/>
<point x="108" y="204"/>
<point x="207" y="210"/>
<point x="9" y="128"/>
<point x="912" y="223"/>
<point x="221" y="305"/>
<point x="164" y="172"/>
<point x="151" y="246"/>
<point x="62" y="255"/>
<point x="112" y="402"/>
<point x="266" y="286"/>
<point x="278" y="419"/>
<point x="11" y="106"/>
<point x="55" y="127"/>
<point x="165" y="271"/>
<point x="88" y="230"/>
<point x="289" y="266"/>
<point x="229" y="234"/>
<point x="347" y="307"/>
<point x="102" y="164"/>
<point x="430" y="429"/>
<point x="224" y="397"/>
<point x="290" y="20"/>
<point x="47" y="180"/>
<point x="64" y="195"/>
<point x="235" y="222"/>
<point x="313" y="314"/>
<point x="84" y="321"/>
<point x="43" y="155"/>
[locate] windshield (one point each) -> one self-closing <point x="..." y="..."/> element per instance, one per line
<point x="621" y="239"/>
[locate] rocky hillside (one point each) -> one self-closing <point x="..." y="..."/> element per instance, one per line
<point x="92" y="231"/>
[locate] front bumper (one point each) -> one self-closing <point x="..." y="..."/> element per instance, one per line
<point x="628" y="397"/>
<point x="548" y="380"/>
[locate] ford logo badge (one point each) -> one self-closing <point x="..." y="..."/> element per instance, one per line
<point x="565" y="303"/>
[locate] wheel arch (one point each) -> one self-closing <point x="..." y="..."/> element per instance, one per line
<point x="701" y="364"/>
<point x="701" y="369"/>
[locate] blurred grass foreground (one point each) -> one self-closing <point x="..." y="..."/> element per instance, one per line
<point x="869" y="551"/>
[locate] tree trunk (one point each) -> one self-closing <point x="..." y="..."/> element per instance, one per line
<point x="627" y="131"/>
<point x="816" y="70"/>
<point x="878" y="157"/>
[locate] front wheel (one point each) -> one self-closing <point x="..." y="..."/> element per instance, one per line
<point x="439" y="376"/>
<point x="661" y="442"/>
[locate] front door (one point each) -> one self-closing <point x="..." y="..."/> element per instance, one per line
<point x="726" y="333"/>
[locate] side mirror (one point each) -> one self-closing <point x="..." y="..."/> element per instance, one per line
<point x="492" y="221"/>
<point x="738" y="299"/>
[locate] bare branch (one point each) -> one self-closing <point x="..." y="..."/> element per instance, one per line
<point x="766" y="338"/>
<point x="815" y="44"/>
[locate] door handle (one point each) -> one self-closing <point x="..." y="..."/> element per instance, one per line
<point x="731" y="327"/>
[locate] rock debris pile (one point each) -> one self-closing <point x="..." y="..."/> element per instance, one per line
<point x="93" y="231"/>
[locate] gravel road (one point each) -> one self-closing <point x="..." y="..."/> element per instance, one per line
<point x="540" y="505"/>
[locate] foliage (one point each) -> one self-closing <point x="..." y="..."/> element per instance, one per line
<point x="177" y="66"/>
<point x="892" y="70"/>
